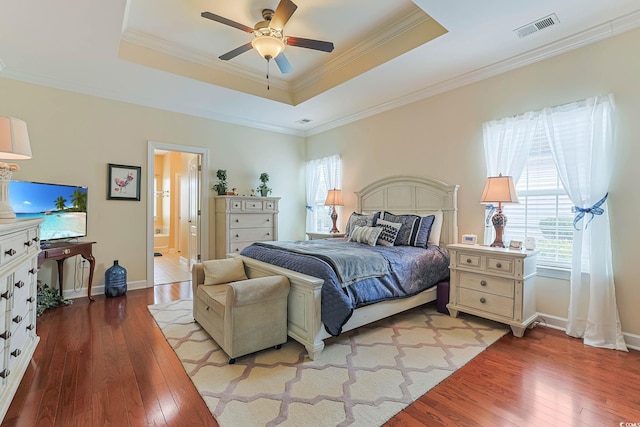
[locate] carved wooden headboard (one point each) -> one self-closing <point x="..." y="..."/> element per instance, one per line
<point x="416" y="195"/>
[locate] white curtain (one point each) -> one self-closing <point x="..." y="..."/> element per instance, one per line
<point x="332" y="172"/>
<point x="507" y="143"/>
<point x="312" y="181"/>
<point x="581" y="135"/>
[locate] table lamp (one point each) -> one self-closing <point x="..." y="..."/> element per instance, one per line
<point x="334" y="198"/>
<point x="499" y="189"/>
<point x="14" y="145"/>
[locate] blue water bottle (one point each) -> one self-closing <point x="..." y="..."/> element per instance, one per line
<point x="115" y="280"/>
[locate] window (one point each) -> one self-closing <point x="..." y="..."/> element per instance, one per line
<point x="322" y="175"/>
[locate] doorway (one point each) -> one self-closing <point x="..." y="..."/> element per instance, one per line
<point x="176" y="234"/>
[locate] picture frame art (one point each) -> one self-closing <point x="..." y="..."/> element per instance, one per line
<point x="123" y="182"/>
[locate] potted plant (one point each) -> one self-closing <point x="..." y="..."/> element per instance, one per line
<point x="263" y="188"/>
<point x="221" y="186"/>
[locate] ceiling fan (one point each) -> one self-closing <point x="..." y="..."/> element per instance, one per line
<point x="269" y="39"/>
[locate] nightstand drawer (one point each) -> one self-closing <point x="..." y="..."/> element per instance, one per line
<point x="500" y="265"/>
<point x="501" y="306"/>
<point x="469" y="260"/>
<point x="490" y="284"/>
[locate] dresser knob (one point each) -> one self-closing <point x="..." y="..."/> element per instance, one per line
<point x="7" y="295"/>
<point x="483" y="283"/>
<point x="31" y="327"/>
<point x="33" y="271"/>
<point x="30" y="299"/>
<point x="237" y="235"/>
<point x="19" y="284"/>
<point x="5" y="335"/>
<point x="17" y="319"/>
<point x="268" y="234"/>
<point x="5" y="373"/>
<point x="499" y="265"/>
<point x="16" y="352"/>
<point x="28" y="243"/>
<point x="36" y="239"/>
<point x="10" y="252"/>
<point x="268" y="219"/>
<point x="237" y="250"/>
<point x="482" y="300"/>
<point x="468" y="260"/>
<point x="237" y="220"/>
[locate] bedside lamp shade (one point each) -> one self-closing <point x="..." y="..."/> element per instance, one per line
<point x="334" y="198"/>
<point x="499" y="189"/>
<point x="14" y="145"/>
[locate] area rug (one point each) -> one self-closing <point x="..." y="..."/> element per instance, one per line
<point x="362" y="378"/>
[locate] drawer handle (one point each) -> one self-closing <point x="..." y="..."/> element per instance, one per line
<point x="33" y="271"/>
<point x="30" y="299"/>
<point x="10" y="252"/>
<point x="36" y="239"/>
<point x="237" y="220"/>
<point x="237" y="250"/>
<point x="482" y="300"/>
<point x="7" y="295"/>
<point x="483" y="283"/>
<point x="17" y="319"/>
<point x="19" y="284"/>
<point x="5" y="373"/>
<point x="237" y="235"/>
<point x="499" y="265"/>
<point x="16" y="352"/>
<point x="253" y="205"/>
<point x="5" y="335"/>
<point x="468" y="260"/>
<point x="31" y="327"/>
<point x="28" y="243"/>
<point x="268" y="234"/>
<point x="268" y="219"/>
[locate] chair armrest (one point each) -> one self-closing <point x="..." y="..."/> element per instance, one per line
<point x="197" y="277"/>
<point x="251" y="291"/>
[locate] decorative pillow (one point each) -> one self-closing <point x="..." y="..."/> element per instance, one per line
<point x="414" y="231"/>
<point x="389" y="232"/>
<point x="436" y="228"/>
<point x="363" y="234"/>
<point x="362" y="220"/>
<point x="218" y="271"/>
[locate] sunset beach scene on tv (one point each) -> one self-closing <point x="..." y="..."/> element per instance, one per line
<point x="63" y="207"/>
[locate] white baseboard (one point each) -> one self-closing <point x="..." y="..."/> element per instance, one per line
<point x="99" y="290"/>
<point x="632" y="340"/>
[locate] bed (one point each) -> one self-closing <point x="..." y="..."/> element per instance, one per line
<point x="398" y="195"/>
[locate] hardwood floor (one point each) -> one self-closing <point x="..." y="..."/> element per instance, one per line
<point x="107" y="363"/>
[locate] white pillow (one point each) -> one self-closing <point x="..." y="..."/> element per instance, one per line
<point x="436" y="228"/>
<point x="364" y="234"/>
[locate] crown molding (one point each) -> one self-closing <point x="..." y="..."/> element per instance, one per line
<point x="590" y="36"/>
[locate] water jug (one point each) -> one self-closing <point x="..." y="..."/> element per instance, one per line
<point x="115" y="280"/>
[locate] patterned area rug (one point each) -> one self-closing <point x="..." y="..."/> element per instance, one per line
<point x="362" y="378"/>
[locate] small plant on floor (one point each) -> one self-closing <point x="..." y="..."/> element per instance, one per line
<point x="49" y="298"/>
<point x="221" y="186"/>
<point x="263" y="188"/>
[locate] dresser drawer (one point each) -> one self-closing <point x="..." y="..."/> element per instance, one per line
<point x="469" y="260"/>
<point x="237" y="247"/>
<point x="250" y="220"/>
<point x="251" y="234"/>
<point x="14" y="246"/>
<point x="499" y="305"/>
<point x="490" y="284"/>
<point x="253" y="205"/>
<point x="500" y="265"/>
<point x="18" y="343"/>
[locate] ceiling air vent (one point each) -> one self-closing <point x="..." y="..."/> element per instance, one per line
<point x="540" y="24"/>
<point x="303" y="121"/>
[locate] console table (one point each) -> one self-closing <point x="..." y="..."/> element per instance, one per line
<point x="60" y="251"/>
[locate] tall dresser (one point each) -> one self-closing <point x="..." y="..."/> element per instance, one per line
<point x="19" y="248"/>
<point x="241" y="221"/>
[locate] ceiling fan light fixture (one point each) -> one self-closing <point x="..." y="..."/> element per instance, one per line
<point x="268" y="46"/>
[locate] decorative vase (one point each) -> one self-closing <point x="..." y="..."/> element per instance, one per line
<point x="115" y="280"/>
<point x="264" y="192"/>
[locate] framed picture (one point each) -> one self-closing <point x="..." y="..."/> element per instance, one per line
<point x="124" y="182"/>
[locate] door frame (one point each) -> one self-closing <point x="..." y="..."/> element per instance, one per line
<point x="152" y="146"/>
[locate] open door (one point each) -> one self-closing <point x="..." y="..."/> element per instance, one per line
<point x="195" y="171"/>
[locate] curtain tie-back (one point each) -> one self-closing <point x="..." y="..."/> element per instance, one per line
<point x="489" y="209"/>
<point x="593" y="210"/>
<point x="309" y="208"/>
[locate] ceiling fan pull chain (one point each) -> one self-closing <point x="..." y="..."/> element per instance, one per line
<point x="268" y="73"/>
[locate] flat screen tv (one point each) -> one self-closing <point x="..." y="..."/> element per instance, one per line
<point x="63" y="207"/>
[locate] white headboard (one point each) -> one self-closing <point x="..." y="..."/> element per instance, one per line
<point x="417" y="195"/>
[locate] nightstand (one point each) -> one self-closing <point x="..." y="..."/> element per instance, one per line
<point x="493" y="283"/>
<point x="325" y="235"/>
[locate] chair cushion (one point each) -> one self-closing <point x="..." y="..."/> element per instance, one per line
<point x="217" y="271"/>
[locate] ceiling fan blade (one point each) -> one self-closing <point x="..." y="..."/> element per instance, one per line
<point x="282" y="14"/>
<point x="235" y="52"/>
<point x="226" y="21"/>
<point x="283" y="64"/>
<point x="310" y="44"/>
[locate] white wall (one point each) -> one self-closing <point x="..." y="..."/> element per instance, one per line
<point x="74" y="137"/>
<point x="441" y="137"/>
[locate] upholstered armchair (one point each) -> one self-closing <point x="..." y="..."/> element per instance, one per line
<point x="242" y="315"/>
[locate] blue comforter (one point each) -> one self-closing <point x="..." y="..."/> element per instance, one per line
<point x="411" y="270"/>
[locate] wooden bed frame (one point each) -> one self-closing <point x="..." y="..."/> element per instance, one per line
<point x="396" y="194"/>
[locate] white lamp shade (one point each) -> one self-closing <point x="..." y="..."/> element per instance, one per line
<point x="499" y="189"/>
<point x="268" y="46"/>
<point x="14" y="139"/>
<point x="334" y="198"/>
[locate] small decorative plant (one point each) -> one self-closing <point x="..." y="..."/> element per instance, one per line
<point x="49" y="298"/>
<point x="263" y="188"/>
<point x="221" y="186"/>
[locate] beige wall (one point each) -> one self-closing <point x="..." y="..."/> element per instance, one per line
<point x="441" y="137"/>
<point x="74" y="137"/>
